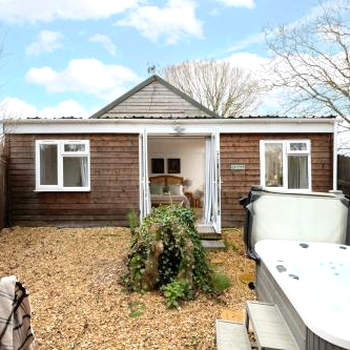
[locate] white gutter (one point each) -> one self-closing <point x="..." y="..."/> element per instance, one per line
<point x="169" y="126"/>
<point x="172" y="121"/>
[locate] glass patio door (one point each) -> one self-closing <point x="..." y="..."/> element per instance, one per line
<point x="215" y="143"/>
<point x="145" y="199"/>
<point x="212" y="202"/>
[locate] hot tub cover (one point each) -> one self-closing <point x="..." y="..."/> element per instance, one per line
<point x="315" y="277"/>
<point x="311" y="216"/>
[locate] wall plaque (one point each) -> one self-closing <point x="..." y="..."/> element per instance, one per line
<point x="237" y="166"/>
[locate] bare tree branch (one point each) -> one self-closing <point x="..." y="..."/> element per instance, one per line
<point x="312" y="61"/>
<point x="226" y="90"/>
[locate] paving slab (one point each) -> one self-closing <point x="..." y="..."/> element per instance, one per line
<point x="213" y="244"/>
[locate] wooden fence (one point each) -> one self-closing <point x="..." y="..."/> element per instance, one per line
<point x="3" y="192"/>
<point x="344" y="174"/>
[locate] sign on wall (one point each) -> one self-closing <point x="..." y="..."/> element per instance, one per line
<point x="237" y="166"/>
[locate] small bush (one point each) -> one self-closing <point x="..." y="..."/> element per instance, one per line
<point x="166" y="254"/>
<point x="136" y="309"/>
<point x="176" y="291"/>
<point x="220" y="282"/>
<point x="133" y="220"/>
<point x="230" y="245"/>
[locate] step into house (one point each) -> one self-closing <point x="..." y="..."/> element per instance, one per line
<point x="268" y="325"/>
<point x="207" y="232"/>
<point x="213" y="244"/>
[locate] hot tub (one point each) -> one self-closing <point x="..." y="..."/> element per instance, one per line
<point x="310" y="282"/>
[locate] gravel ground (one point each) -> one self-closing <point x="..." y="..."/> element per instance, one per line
<point x="77" y="301"/>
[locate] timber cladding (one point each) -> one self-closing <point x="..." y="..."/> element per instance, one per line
<point x="114" y="183"/>
<point x="245" y="149"/>
<point x="115" y="178"/>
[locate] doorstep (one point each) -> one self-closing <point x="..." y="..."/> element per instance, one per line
<point x="213" y="244"/>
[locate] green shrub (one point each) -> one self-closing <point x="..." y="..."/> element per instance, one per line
<point x="220" y="282"/>
<point x="132" y="220"/>
<point x="166" y="254"/>
<point x="176" y="291"/>
<point x="229" y="245"/>
<point x="137" y="308"/>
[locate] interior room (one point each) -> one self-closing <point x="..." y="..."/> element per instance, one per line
<point x="176" y="170"/>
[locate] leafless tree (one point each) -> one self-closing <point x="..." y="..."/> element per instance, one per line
<point x="312" y="60"/>
<point x="3" y="113"/>
<point x="224" y="89"/>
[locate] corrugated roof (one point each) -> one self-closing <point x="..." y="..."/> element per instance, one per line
<point x="283" y="116"/>
<point x="194" y="117"/>
<point x="230" y="117"/>
<point x="54" y="118"/>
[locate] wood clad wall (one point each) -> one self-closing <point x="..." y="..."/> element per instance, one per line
<point x="154" y="100"/>
<point x="115" y="179"/>
<point x="114" y="184"/>
<point x="244" y="149"/>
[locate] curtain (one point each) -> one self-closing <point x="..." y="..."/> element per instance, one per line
<point x="84" y="171"/>
<point x="273" y="164"/>
<point x="298" y="172"/>
<point x="75" y="171"/>
<point x="209" y="181"/>
<point x="48" y="164"/>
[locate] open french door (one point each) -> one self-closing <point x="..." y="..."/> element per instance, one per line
<point x="145" y="199"/>
<point x="216" y="188"/>
<point x="212" y="202"/>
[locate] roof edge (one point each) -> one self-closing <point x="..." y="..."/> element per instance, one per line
<point x="168" y="121"/>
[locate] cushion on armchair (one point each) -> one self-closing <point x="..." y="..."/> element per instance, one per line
<point x="156" y="189"/>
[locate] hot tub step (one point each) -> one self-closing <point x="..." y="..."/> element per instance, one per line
<point x="231" y="336"/>
<point x="270" y="328"/>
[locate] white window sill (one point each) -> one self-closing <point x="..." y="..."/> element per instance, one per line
<point x="63" y="190"/>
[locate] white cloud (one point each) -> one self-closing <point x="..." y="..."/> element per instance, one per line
<point x="175" y="20"/>
<point x="15" y="108"/>
<point x="105" y="41"/>
<point x="238" y="3"/>
<point x="47" y="41"/>
<point x="65" y="108"/>
<point x="254" y="39"/>
<point x="259" y="37"/>
<point x="249" y="61"/>
<point x="48" y="10"/>
<point x="85" y="75"/>
<point x="12" y="107"/>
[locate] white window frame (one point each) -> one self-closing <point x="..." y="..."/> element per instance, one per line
<point x="286" y="152"/>
<point x="60" y="156"/>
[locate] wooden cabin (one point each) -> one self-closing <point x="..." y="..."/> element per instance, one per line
<point x="92" y="172"/>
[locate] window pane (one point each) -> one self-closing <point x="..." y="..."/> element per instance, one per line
<point x="74" y="147"/>
<point x="48" y="165"/>
<point x="298" y="172"/>
<point x="75" y="171"/>
<point x="298" y="146"/>
<point x="273" y="164"/>
<point x="157" y="166"/>
<point x="174" y="166"/>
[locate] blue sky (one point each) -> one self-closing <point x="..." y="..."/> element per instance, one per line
<point x="63" y="57"/>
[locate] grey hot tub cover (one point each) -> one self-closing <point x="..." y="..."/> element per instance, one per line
<point x="300" y="216"/>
